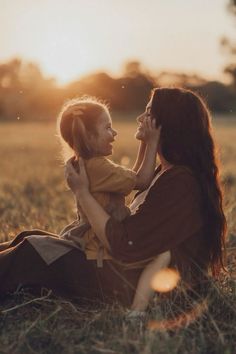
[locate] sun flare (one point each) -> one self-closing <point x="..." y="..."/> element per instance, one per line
<point x="69" y="39"/>
<point x="165" y="280"/>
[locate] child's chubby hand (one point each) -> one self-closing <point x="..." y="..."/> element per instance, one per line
<point x="151" y="134"/>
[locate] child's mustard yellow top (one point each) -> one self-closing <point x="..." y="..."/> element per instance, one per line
<point x="109" y="184"/>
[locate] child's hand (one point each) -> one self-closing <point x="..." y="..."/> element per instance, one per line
<point x="151" y="134"/>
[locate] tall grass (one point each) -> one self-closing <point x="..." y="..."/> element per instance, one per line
<point x="33" y="194"/>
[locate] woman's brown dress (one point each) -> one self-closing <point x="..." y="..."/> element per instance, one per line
<point x="170" y="218"/>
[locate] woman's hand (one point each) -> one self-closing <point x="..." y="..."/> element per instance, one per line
<point x="77" y="179"/>
<point x="79" y="184"/>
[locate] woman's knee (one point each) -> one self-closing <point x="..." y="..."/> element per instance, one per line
<point x="4" y="245"/>
<point x="21" y="265"/>
<point x="16" y="240"/>
<point x="22" y="235"/>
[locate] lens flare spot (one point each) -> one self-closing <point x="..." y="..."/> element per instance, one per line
<point x="165" y="280"/>
<point x="154" y="325"/>
<point x="183" y="320"/>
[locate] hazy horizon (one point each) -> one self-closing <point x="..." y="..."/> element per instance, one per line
<point x="70" y="39"/>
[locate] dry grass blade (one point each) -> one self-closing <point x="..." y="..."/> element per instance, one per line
<point x="48" y="325"/>
<point x="26" y="303"/>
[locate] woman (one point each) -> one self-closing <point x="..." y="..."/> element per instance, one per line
<point x="85" y="129"/>
<point x="180" y="212"/>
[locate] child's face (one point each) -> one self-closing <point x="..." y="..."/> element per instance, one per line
<point x="102" y="142"/>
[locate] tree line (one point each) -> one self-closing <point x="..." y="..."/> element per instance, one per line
<point x="26" y="94"/>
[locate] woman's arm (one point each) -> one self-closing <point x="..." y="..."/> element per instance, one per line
<point x="97" y="216"/>
<point x="170" y="214"/>
<point x="140" y="156"/>
<point x="146" y="170"/>
<point x="79" y="184"/>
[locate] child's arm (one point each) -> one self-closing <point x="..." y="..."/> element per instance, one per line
<point x="140" y="156"/>
<point x="144" y="291"/>
<point x="146" y="160"/>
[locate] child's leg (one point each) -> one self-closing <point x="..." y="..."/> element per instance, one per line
<point x="144" y="290"/>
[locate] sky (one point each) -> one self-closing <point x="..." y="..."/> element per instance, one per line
<point x="70" y="38"/>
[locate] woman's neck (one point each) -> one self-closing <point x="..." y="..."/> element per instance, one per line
<point x="165" y="165"/>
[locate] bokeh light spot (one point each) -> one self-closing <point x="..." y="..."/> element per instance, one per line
<point x="165" y="280"/>
<point x="182" y="320"/>
<point x="125" y="161"/>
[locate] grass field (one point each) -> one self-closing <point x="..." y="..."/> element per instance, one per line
<point x="33" y="194"/>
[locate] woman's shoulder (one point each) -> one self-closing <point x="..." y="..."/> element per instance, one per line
<point x="178" y="176"/>
<point x="180" y="171"/>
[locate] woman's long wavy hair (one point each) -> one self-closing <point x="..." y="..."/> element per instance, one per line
<point x="186" y="139"/>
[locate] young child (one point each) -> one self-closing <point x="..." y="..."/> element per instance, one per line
<point x="85" y="126"/>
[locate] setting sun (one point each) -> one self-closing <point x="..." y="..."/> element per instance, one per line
<point x="70" y="39"/>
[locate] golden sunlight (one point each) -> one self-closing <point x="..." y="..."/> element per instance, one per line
<point x="70" y="39"/>
<point x="65" y="55"/>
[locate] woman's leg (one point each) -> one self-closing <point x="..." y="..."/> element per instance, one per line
<point x="116" y="283"/>
<point x="20" y="237"/>
<point x="21" y="264"/>
<point x="71" y="275"/>
<point x="4" y="245"/>
<point x="144" y="291"/>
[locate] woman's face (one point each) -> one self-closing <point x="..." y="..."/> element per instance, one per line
<point x="102" y="141"/>
<point x="139" y="133"/>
